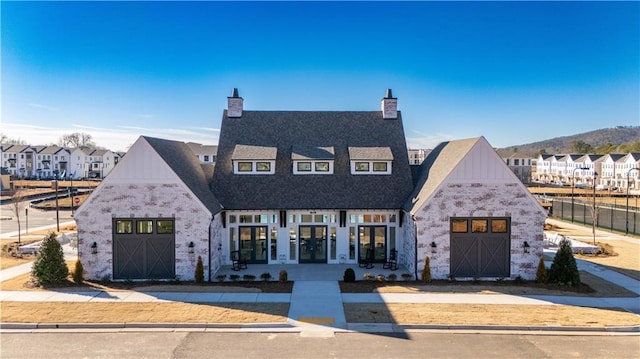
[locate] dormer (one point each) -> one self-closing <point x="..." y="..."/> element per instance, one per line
<point x="311" y="160"/>
<point x="370" y="160"/>
<point x="389" y="106"/>
<point x="234" y="105"/>
<point x="254" y="160"/>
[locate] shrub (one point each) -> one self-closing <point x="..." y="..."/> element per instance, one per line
<point x="349" y="275"/>
<point x="564" y="269"/>
<point x="426" y="271"/>
<point x="266" y="276"/>
<point x="234" y="277"/>
<point x="221" y="277"/>
<point x="519" y="279"/>
<point x="542" y="274"/>
<point x="368" y="276"/>
<point x="78" y="272"/>
<point x="249" y="277"/>
<point x="380" y="277"/>
<point x="199" y="275"/>
<point x="49" y="266"/>
<point x="392" y="277"/>
<point x="283" y="276"/>
<point x="406" y="276"/>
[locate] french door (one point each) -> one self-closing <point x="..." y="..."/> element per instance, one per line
<point x="313" y="244"/>
<point x="373" y="239"/>
<point x="253" y="244"/>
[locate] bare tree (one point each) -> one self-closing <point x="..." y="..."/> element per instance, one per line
<point x="4" y="139"/>
<point x="76" y="139"/>
<point x="17" y="206"/>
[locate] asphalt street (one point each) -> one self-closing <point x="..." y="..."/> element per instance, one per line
<point x="36" y="219"/>
<point x="342" y="345"/>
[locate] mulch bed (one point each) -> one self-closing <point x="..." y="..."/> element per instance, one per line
<point x="370" y="286"/>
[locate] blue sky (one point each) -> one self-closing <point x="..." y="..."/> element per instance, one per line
<point x="514" y="72"/>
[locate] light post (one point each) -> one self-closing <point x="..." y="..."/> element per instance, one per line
<point x="595" y="213"/>
<point x="71" y="194"/>
<point x="626" y="231"/>
<point x="57" y="210"/>
<point x="573" y="178"/>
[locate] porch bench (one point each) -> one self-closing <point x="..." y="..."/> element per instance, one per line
<point x="367" y="261"/>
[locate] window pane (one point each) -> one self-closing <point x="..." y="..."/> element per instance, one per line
<point x="263" y="166"/>
<point x="124" y="227"/>
<point x="145" y="227"/>
<point x="392" y="218"/>
<point x="366" y="218"/>
<point x="499" y="226"/>
<point x="332" y="238"/>
<point x="245" y="167"/>
<point x="292" y="243"/>
<point x="459" y="225"/>
<point x="479" y="225"/>
<point x="246" y="218"/>
<point x="362" y="166"/>
<point x="274" y="241"/>
<point x="379" y="167"/>
<point x="304" y="166"/>
<point x="352" y="242"/>
<point x="306" y="218"/>
<point x="164" y="226"/>
<point x="319" y="218"/>
<point x="322" y="166"/>
<point x="232" y="219"/>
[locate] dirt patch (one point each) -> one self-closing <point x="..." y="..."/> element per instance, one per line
<point x="591" y="286"/>
<point x="472" y="314"/>
<point x="627" y="260"/>
<point x="61" y="312"/>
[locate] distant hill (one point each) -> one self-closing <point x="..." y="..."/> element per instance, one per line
<point x="621" y="139"/>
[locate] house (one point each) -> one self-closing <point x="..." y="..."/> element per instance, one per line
<point x="326" y="187"/>
<point x="629" y="167"/>
<point x="472" y="215"/>
<point x="520" y="166"/>
<point x="17" y="160"/>
<point x="611" y="175"/>
<point x="51" y="161"/>
<point x="204" y="153"/>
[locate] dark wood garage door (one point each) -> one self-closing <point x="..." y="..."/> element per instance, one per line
<point x="480" y="247"/>
<point x="143" y="249"/>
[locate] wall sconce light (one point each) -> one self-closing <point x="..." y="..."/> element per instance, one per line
<point x="94" y="248"/>
<point x="219" y="247"/>
<point x="434" y="246"/>
<point x="526" y="246"/>
<point x="191" y="247"/>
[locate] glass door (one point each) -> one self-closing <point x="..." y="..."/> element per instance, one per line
<point x="313" y="244"/>
<point x="253" y="244"/>
<point x="373" y="239"/>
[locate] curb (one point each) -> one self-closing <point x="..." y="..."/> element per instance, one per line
<point x="290" y="328"/>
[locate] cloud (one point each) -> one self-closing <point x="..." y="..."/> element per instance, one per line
<point x="419" y="139"/>
<point x="44" y="107"/>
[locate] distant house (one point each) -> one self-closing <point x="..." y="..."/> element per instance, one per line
<point x="204" y="153"/>
<point x="325" y="187"/>
<point x="520" y="166"/>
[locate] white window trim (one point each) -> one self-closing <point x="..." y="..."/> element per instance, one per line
<point x="370" y="171"/>
<point x="313" y="168"/>
<point x="254" y="167"/>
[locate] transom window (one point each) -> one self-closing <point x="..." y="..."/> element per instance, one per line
<point x="479" y="225"/>
<point x="144" y="226"/>
<point x="254" y="167"/>
<point x="371" y="167"/>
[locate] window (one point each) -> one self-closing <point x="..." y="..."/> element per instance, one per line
<point x="304" y="166"/>
<point x="144" y="227"/>
<point x="479" y="226"/>
<point x="124" y="227"/>
<point x="499" y="226"/>
<point x="459" y="226"/>
<point x="379" y="167"/>
<point x="245" y="167"/>
<point x="322" y="166"/>
<point x="263" y="166"/>
<point x="362" y="166"/>
<point x="206" y="158"/>
<point x="164" y="226"/>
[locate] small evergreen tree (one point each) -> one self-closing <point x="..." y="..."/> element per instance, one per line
<point x="564" y="269"/>
<point x="283" y="276"/>
<point x="426" y="271"/>
<point x="49" y="266"/>
<point x="78" y="272"/>
<point x="349" y="275"/>
<point x="199" y="274"/>
<point x="542" y="274"/>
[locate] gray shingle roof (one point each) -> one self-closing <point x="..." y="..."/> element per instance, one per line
<point x="370" y="153"/>
<point x="188" y="168"/>
<point x="302" y="152"/>
<point x="286" y="130"/>
<point x="244" y="152"/>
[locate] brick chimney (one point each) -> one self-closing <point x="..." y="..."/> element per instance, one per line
<point x="234" y="105"/>
<point x="389" y="106"/>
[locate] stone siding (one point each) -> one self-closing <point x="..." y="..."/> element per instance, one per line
<point x="168" y="200"/>
<point x="480" y="200"/>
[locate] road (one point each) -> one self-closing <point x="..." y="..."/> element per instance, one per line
<point x="292" y="345"/>
<point x="37" y="218"/>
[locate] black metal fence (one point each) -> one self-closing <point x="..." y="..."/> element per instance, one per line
<point x="610" y="216"/>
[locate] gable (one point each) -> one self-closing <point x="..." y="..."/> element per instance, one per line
<point x="462" y="162"/>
